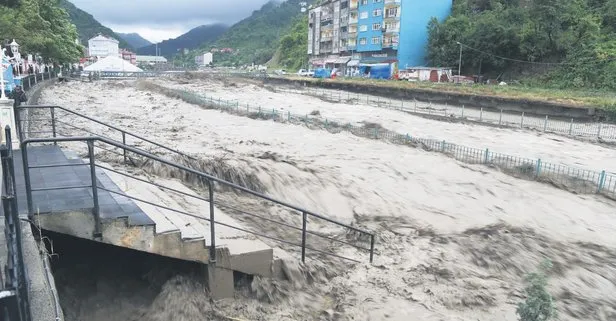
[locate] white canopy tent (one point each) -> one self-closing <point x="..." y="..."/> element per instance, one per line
<point x="114" y="64"/>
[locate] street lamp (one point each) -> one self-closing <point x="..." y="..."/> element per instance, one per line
<point x="460" y="60"/>
<point x="15" y="50"/>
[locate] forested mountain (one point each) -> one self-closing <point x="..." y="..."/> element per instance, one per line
<point x="192" y="39"/>
<point x="87" y="26"/>
<point x="256" y="38"/>
<point x="40" y="26"/>
<point x="135" y="40"/>
<point x="562" y="43"/>
<point x="293" y="47"/>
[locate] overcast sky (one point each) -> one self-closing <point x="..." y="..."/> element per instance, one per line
<point x="157" y="20"/>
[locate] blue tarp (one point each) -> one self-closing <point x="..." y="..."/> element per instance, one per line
<point x="322" y="73"/>
<point x="380" y="71"/>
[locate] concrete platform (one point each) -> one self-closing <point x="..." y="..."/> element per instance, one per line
<point x="137" y="225"/>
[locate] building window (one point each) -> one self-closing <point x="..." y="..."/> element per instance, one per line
<point x="363" y="28"/>
<point x="376" y="26"/>
<point x="363" y="41"/>
<point x="391" y="13"/>
<point x="377" y="12"/>
<point x="377" y="1"/>
<point x="363" y="15"/>
<point x="376" y="40"/>
<point x="364" y="2"/>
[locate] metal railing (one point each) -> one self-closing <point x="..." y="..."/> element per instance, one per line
<point x="56" y="124"/>
<point x="569" y="178"/>
<point x="14" y="300"/>
<point x="25" y="119"/>
<point x="30" y="81"/>
<point x="569" y="127"/>
<point x="208" y="180"/>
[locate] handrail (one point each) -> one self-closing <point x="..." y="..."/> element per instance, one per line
<point x="222" y="205"/>
<point x="16" y="283"/>
<point x="209" y="179"/>
<point x="124" y="132"/>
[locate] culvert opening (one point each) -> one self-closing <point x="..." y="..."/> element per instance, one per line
<point x="97" y="281"/>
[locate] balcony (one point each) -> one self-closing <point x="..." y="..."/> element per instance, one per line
<point x="354" y="4"/>
<point x="392" y="2"/>
<point x="391" y="18"/>
<point x="390" y="31"/>
<point x="326" y="17"/>
<point x="326" y="39"/>
<point x="353" y="20"/>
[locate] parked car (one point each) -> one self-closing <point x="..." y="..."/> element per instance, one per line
<point x="280" y="72"/>
<point x="305" y="73"/>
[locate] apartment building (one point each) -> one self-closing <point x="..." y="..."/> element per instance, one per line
<point x="351" y="33"/>
<point x="103" y="46"/>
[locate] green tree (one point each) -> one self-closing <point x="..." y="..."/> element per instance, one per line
<point x="293" y="48"/>
<point x="41" y="26"/>
<point x="561" y="43"/>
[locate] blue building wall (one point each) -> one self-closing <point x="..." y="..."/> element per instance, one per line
<point x="369" y="34"/>
<point x="414" y="18"/>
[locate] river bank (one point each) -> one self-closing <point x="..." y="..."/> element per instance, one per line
<point x="538" y="102"/>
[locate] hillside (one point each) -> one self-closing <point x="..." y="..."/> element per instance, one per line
<point x="565" y="44"/>
<point x="191" y="40"/>
<point x="134" y="39"/>
<point x="87" y="26"/>
<point x="256" y="38"/>
<point x="40" y="26"/>
<point x="293" y="47"/>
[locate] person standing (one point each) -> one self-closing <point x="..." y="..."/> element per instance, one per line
<point x="19" y="96"/>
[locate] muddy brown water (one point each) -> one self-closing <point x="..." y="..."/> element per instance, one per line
<point x="96" y="281"/>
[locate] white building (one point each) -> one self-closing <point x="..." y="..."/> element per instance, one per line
<point x="204" y="59"/>
<point x="102" y="46"/>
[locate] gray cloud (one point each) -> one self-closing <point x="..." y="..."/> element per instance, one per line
<point x="163" y="12"/>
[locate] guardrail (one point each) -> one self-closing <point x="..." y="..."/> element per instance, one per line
<point x="30" y="81"/>
<point x="54" y="119"/>
<point x="569" y="127"/>
<point x="208" y="180"/>
<point x="14" y="300"/>
<point x="563" y="176"/>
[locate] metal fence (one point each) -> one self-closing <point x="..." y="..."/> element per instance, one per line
<point x="14" y="300"/>
<point x="569" y="127"/>
<point x="50" y="124"/>
<point x="304" y="238"/>
<point x="569" y="178"/>
<point x="30" y="81"/>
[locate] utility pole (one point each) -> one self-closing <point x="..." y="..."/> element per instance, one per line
<point x="460" y="61"/>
